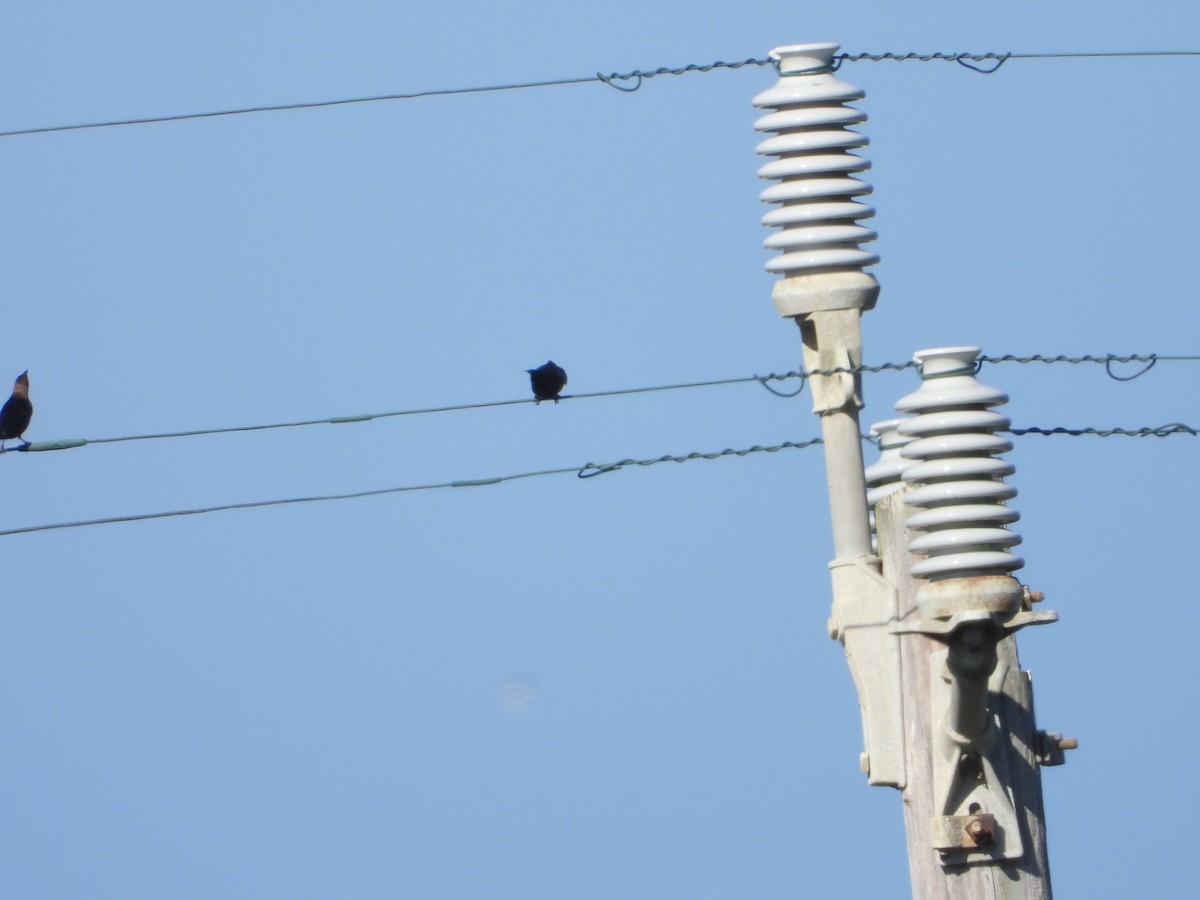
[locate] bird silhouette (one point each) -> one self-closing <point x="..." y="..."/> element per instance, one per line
<point x="547" y="381"/>
<point x="16" y="412"/>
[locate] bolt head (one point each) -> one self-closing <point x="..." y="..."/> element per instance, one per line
<point x="980" y="834"/>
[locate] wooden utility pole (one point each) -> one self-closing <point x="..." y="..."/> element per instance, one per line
<point x="973" y="755"/>
<point x="1028" y="877"/>
<point x="927" y="625"/>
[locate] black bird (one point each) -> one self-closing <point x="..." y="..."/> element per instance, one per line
<point x="548" y="381"/>
<point x="16" y="412"/>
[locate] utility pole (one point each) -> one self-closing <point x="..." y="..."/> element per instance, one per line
<point x="973" y="793"/>
<point x="927" y="623"/>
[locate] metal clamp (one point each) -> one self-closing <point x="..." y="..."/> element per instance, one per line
<point x="975" y="818"/>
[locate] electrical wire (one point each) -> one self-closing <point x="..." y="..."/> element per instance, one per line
<point x="586" y="471"/>
<point x="1107" y="360"/>
<point x="71" y="443"/>
<point x="1160" y="431"/>
<point x="637" y="76"/>
<point x="999" y="59"/>
<point x="258" y="504"/>
<point x="614" y="80"/>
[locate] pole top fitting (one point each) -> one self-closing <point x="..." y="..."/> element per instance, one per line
<point x="804" y="59"/>
<point x="941" y="361"/>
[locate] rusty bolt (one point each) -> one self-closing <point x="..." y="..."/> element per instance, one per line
<point x="1031" y="597"/>
<point x="1050" y="746"/>
<point x="980" y="834"/>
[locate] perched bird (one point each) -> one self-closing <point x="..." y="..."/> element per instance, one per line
<point x="547" y="381"/>
<point x="16" y="412"/>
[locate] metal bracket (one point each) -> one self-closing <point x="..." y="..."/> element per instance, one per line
<point x="832" y="342"/>
<point x="1051" y="747"/>
<point x="864" y="613"/>
<point x="978" y="821"/>
<point x="940" y="629"/>
<point x="975" y="817"/>
<point x="965" y="832"/>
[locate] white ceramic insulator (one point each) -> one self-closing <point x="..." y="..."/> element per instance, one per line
<point x="956" y="479"/>
<point x="813" y="166"/>
<point x="883" y="475"/>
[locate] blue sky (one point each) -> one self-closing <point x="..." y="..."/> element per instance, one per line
<point x="618" y="687"/>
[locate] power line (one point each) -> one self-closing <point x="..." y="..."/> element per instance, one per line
<point x="586" y="471"/>
<point x="637" y="76"/>
<point x="1160" y="431"/>
<point x="614" y="80"/>
<point x="999" y="59"/>
<point x="256" y="504"/>
<point x="71" y="443"/>
<point x="1107" y="361"/>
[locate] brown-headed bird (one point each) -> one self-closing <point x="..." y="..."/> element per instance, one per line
<point x="16" y="412"/>
<point x="548" y="381"/>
